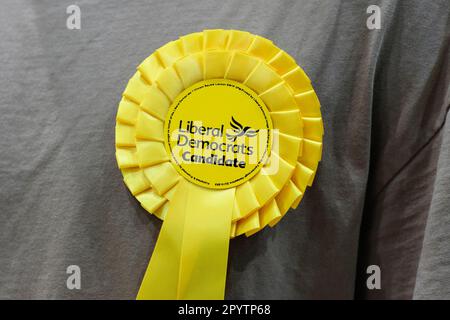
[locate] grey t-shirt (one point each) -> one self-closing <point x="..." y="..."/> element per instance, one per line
<point x="381" y="195"/>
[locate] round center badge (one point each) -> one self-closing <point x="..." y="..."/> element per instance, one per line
<point x="218" y="133"/>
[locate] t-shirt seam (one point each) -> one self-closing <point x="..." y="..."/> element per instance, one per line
<point x="414" y="156"/>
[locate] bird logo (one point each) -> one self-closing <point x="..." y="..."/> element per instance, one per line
<point x="239" y="130"/>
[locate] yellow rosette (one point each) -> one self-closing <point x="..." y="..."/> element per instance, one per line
<point x="218" y="133"/>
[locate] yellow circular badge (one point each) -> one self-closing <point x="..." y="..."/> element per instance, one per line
<point x="218" y="133"/>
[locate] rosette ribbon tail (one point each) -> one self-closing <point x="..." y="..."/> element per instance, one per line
<point x="189" y="261"/>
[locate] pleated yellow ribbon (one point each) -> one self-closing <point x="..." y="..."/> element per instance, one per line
<point x="204" y="205"/>
<point x="190" y="257"/>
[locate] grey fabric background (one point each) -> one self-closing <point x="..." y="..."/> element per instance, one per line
<point x="380" y="197"/>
